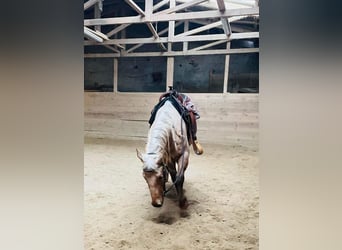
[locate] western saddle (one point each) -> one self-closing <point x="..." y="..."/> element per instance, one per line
<point x="188" y="116"/>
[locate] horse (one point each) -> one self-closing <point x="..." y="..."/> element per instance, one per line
<point x="167" y="152"/>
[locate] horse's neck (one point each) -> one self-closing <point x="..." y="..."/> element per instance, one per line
<point x="157" y="141"/>
<point x="160" y="131"/>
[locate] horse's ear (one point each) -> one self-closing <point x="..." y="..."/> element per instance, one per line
<point x="139" y="155"/>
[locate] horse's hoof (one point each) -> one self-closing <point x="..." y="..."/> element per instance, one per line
<point x="183" y="204"/>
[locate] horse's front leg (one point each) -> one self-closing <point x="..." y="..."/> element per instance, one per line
<point x="183" y="202"/>
<point x="182" y="163"/>
<point x="172" y="170"/>
<point x="166" y="177"/>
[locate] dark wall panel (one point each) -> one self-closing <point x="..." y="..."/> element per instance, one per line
<point x="142" y="74"/>
<point x="199" y="74"/>
<point x="98" y="74"/>
<point x="244" y="73"/>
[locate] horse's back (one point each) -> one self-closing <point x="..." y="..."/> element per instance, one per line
<point x="169" y="119"/>
<point x="168" y="114"/>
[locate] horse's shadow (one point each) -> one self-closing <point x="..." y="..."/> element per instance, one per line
<point x="170" y="212"/>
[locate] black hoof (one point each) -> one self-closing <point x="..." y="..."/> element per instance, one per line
<point x="183" y="204"/>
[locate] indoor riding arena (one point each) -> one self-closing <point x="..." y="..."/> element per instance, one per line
<point x="134" y="50"/>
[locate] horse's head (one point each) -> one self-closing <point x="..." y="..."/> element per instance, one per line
<point x="153" y="174"/>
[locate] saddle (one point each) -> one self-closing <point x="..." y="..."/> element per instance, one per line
<point x="177" y="101"/>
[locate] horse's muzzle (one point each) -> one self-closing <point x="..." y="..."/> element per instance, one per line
<point x="157" y="203"/>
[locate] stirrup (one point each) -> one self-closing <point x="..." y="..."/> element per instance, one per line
<point x="197" y="148"/>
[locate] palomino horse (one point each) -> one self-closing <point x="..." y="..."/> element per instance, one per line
<point x="167" y="151"/>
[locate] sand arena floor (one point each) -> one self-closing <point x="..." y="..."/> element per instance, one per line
<point x="222" y="187"/>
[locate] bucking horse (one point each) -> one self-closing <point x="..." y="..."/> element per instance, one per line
<point x="167" y="152"/>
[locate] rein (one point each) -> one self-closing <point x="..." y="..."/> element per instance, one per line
<point x="181" y="171"/>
